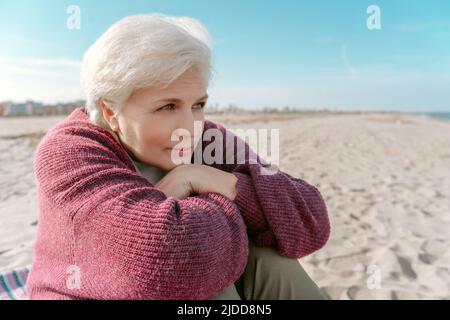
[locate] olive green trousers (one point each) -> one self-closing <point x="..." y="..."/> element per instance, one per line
<point x="270" y="276"/>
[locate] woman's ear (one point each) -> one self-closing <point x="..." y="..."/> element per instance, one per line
<point x="108" y="115"/>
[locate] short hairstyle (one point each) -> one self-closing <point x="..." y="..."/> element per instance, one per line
<point x="140" y="51"/>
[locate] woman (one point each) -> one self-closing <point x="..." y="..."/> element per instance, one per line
<point x="126" y="211"/>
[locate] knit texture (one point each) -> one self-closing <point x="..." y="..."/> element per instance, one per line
<point x="105" y="232"/>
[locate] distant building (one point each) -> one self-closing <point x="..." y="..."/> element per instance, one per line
<point x="5" y="108"/>
<point x="18" y="109"/>
<point x="33" y="108"/>
<point x="23" y="109"/>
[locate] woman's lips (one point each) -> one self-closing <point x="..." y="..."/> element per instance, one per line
<point x="182" y="151"/>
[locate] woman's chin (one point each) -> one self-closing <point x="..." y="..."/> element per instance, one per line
<point x="177" y="159"/>
<point x="169" y="161"/>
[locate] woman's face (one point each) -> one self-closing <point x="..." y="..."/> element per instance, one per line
<point x="148" y="122"/>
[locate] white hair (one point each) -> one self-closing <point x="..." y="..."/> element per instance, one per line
<point x="140" y="51"/>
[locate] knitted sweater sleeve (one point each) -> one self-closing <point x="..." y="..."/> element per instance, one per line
<point x="279" y="210"/>
<point x="169" y="249"/>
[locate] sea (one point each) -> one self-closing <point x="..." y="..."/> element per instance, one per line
<point x="435" y="115"/>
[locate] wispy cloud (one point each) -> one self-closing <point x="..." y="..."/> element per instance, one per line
<point x="330" y="41"/>
<point x="6" y="69"/>
<point x="53" y="63"/>
<point x="444" y="35"/>
<point x="345" y="60"/>
<point x="39" y="67"/>
<point x="43" y="79"/>
<point x="19" y="39"/>
<point x="415" y="26"/>
<point x="324" y="40"/>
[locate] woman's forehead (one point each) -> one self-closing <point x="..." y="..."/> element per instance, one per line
<point x="176" y="99"/>
<point x="189" y="86"/>
<point x="174" y="94"/>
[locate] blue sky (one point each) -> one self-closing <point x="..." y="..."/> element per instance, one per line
<point x="306" y="54"/>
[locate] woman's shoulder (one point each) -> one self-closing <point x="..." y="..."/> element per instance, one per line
<point x="77" y="157"/>
<point x="77" y="124"/>
<point x="212" y="124"/>
<point x="77" y="130"/>
<point x="77" y="138"/>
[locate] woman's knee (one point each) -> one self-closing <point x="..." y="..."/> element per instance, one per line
<point x="268" y="257"/>
<point x="284" y="276"/>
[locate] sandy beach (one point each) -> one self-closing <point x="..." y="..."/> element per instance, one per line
<point x="385" y="178"/>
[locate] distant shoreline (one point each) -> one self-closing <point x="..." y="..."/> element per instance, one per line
<point x="433" y="114"/>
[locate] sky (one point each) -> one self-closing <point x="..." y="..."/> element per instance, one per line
<point x="304" y="54"/>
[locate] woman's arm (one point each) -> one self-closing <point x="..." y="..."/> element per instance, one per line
<point x="187" y="179"/>
<point x="278" y="209"/>
<point x="167" y="248"/>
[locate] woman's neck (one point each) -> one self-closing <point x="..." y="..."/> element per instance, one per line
<point x="151" y="173"/>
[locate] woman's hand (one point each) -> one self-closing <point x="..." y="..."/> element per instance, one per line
<point x="186" y="179"/>
<point x="176" y="183"/>
<point x="208" y="179"/>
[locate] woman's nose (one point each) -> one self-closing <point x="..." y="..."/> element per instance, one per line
<point x="186" y="121"/>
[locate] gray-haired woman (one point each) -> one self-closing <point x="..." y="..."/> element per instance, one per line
<point x="136" y="223"/>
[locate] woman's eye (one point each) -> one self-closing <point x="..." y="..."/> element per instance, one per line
<point x="200" y="105"/>
<point x="171" y="106"/>
<point x="167" y="107"/>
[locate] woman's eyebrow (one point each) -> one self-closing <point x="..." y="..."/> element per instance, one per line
<point x="178" y="100"/>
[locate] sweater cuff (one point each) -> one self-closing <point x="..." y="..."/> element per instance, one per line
<point x="248" y="204"/>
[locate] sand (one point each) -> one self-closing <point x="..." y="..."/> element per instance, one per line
<point x="385" y="179"/>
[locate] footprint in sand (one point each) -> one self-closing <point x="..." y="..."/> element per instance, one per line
<point x="426" y="258"/>
<point x="407" y="269"/>
<point x="434" y="248"/>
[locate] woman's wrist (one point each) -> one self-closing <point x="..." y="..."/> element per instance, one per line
<point x="225" y="183"/>
<point x="233" y="185"/>
<point x="209" y="179"/>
